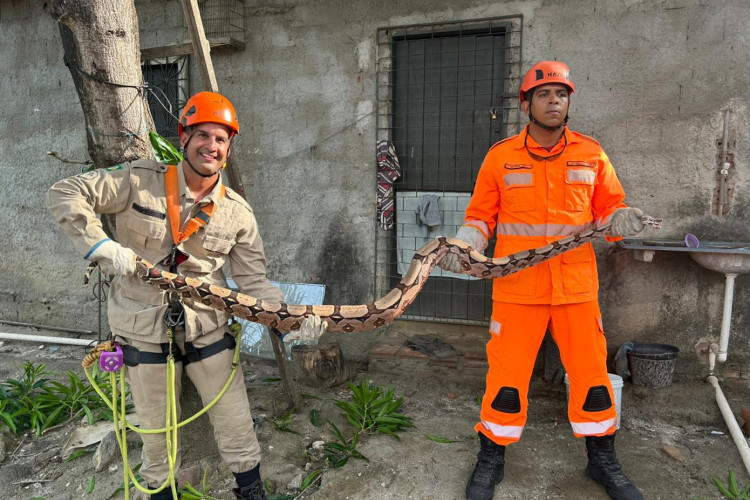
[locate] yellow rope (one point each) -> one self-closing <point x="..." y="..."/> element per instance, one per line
<point x="170" y="420"/>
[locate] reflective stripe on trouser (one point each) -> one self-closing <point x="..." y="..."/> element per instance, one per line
<point x="517" y="331"/>
<point x="230" y="416"/>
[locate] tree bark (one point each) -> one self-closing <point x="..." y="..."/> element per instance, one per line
<point x="102" y="51"/>
<point x="319" y="366"/>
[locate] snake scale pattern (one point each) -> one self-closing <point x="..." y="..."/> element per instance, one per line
<point x="356" y="318"/>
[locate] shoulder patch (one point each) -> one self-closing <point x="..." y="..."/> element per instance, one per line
<point x="585" y="137"/>
<point x="232" y="195"/>
<point x="149" y="164"/>
<point x="502" y="141"/>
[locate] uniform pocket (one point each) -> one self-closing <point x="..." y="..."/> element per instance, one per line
<point x="579" y="188"/>
<point x="217" y="244"/>
<point x="135" y="310"/>
<point x="144" y="232"/>
<point x="579" y="270"/>
<point x="518" y="195"/>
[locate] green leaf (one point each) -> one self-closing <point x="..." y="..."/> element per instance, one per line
<point x="309" y="396"/>
<point x="163" y="150"/>
<point x="336" y="431"/>
<point x="733" y="487"/>
<point x="720" y="486"/>
<point x="335" y="447"/>
<point x="80" y="453"/>
<point x="92" y="485"/>
<point x="268" y="485"/>
<point x="88" y="413"/>
<point x="310" y="479"/>
<point x="315" y="418"/>
<point x="340" y="463"/>
<point x="440" y="439"/>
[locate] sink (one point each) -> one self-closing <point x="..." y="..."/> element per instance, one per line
<point x="728" y="258"/>
<point x="722" y="257"/>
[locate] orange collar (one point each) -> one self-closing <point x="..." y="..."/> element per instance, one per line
<point x="200" y="219"/>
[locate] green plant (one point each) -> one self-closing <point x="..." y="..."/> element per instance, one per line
<point x="374" y="410"/>
<point x="35" y="402"/>
<point x="163" y="150"/>
<point x="341" y="450"/>
<point x="732" y="490"/>
<point x="188" y="492"/>
<point x="283" y="420"/>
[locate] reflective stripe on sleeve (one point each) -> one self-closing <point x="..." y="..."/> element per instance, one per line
<point x="504" y="431"/>
<point x="593" y="428"/>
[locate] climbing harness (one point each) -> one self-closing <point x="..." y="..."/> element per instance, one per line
<point x="112" y="355"/>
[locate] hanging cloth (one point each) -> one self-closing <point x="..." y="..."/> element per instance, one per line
<point x="199" y="220"/>
<point x="389" y="169"/>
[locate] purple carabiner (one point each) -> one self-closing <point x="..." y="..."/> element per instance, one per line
<point x="111" y="361"/>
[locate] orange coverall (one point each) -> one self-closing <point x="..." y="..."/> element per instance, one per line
<point x="531" y="196"/>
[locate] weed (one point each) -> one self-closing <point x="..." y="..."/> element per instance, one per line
<point x="374" y="410"/>
<point x="284" y="420"/>
<point x="35" y="402"/>
<point x="189" y="492"/>
<point x="732" y="490"/>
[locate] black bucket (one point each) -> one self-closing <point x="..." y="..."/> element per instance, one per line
<point x="652" y="365"/>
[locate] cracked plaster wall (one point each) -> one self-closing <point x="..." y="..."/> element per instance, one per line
<point x="653" y="80"/>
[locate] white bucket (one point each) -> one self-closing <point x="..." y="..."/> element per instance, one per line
<point x="616" y="382"/>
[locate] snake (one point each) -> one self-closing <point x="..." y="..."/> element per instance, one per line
<point x="281" y="316"/>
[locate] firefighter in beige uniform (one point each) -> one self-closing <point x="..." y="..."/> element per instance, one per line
<point x="216" y="225"/>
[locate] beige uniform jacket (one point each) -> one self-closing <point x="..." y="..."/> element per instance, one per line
<point x="135" y="192"/>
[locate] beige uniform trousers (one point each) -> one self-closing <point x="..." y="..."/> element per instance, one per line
<point x="230" y="416"/>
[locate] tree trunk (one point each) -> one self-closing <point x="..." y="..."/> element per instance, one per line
<point x="319" y="366"/>
<point x="102" y="51"/>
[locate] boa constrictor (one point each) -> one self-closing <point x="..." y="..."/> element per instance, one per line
<point x="354" y="318"/>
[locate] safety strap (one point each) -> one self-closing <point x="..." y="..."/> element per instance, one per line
<point x="199" y="220"/>
<point x="193" y="353"/>
<point x="134" y="357"/>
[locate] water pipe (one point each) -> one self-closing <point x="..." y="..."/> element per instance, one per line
<point x="734" y="428"/>
<point x="45" y="327"/>
<point x="46" y="340"/>
<point x="726" y="318"/>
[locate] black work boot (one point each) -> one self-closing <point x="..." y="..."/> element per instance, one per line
<point x="488" y="471"/>
<point x="165" y="494"/>
<point x="604" y="468"/>
<point x="253" y="492"/>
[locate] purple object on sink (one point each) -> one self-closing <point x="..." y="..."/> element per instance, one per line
<point x="691" y="241"/>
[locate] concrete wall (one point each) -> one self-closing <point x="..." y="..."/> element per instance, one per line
<point x="653" y="80"/>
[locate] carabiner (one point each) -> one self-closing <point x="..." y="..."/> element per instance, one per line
<point x="175" y="314"/>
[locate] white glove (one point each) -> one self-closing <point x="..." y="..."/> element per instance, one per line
<point x="626" y="222"/>
<point x="472" y="237"/>
<point x="114" y="258"/>
<point x="312" y="328"/>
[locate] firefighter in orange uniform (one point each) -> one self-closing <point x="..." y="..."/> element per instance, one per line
<point x="534" y="188"/>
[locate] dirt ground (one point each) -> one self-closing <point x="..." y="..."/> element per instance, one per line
<point x="672" y="440"/>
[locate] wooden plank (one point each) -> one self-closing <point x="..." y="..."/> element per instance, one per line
<point x="202" y="52"/>
<point x="183" y="49"/>
<point x="201" y="48"/>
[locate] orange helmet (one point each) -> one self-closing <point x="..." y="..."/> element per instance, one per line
<point x="208" y="107"/>
<point x="543" y="73"/>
